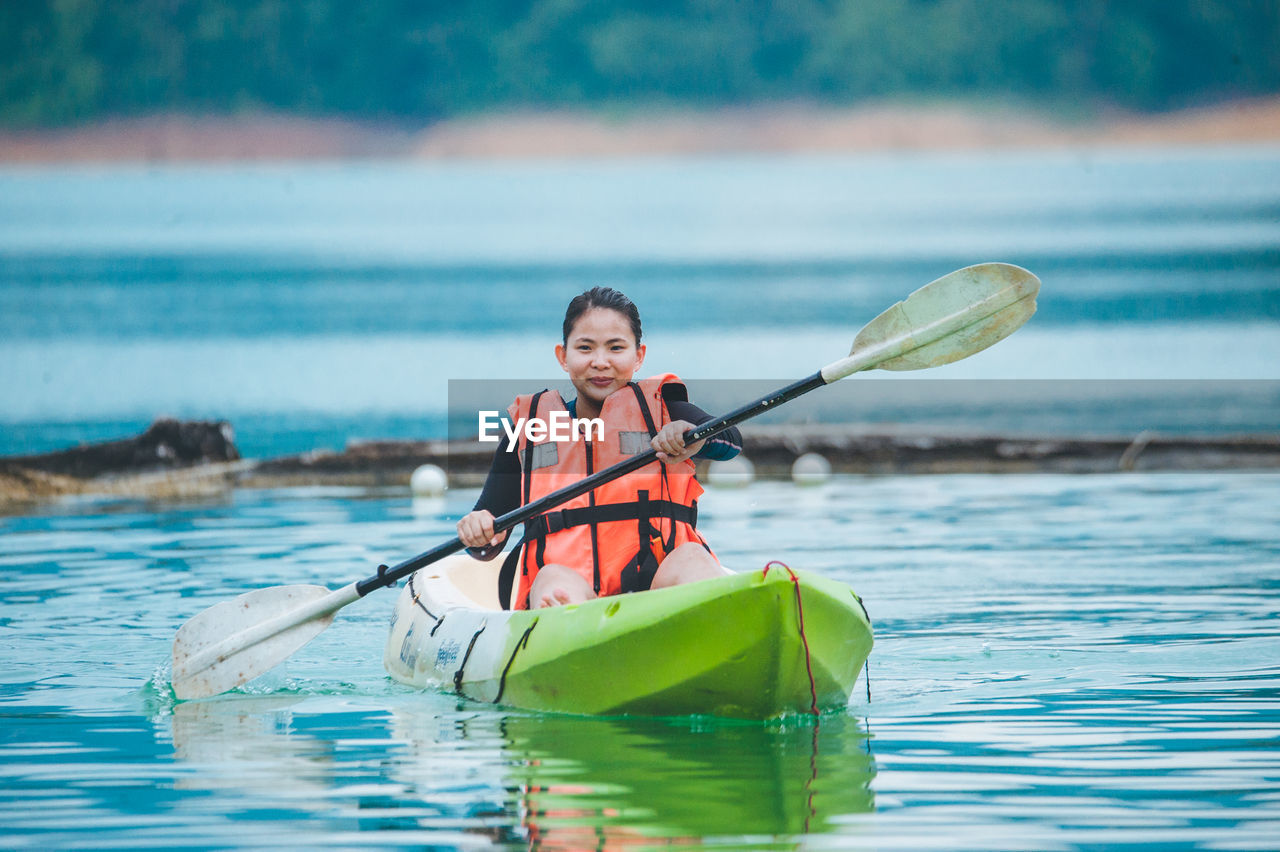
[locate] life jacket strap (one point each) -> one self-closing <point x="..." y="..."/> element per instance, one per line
<point x="554" y="521"/>
<point x="507" y="576"/>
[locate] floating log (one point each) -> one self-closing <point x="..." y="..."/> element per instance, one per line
<point x="172" y="459"/>
<point x="166" y="444"/>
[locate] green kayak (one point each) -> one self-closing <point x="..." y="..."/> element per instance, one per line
<point x="752" y="646"/>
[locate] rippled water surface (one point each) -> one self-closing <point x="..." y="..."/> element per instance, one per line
<point x="1061" y="663"/>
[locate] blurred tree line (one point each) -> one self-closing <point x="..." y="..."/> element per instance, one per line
<point x="64" y="61"/>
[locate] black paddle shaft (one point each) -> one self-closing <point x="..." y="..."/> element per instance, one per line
<point x="389" y="576"/>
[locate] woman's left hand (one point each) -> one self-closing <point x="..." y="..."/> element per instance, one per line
<point x="669" y="442"/>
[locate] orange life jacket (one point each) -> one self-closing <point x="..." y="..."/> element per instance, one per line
<point x="616" y="535"/>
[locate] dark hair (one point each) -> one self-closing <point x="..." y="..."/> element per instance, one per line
<point x="601" y="297"/>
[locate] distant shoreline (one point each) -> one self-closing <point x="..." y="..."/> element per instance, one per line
<point x="777" y="129"/>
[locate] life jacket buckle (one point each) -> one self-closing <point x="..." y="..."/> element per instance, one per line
<point x="554" y="522"/>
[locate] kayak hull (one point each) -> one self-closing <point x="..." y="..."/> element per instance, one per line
<point x="731" y="647"/>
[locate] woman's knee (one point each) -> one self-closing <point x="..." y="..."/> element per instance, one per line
<point x="558" y="584"/>
<point x="688" y="563"/>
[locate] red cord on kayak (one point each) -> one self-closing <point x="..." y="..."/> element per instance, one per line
<point x="804" y="640"/>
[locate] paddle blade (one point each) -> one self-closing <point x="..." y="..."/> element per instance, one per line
<point x="952" y="318"/>
<point x="233" y="642"/>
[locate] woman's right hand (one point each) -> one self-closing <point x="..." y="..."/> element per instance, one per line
<point x="476" y="529"/>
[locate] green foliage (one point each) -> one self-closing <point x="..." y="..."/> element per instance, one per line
<point x="64" y="61"/>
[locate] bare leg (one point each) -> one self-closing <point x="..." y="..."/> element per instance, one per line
<point x="556" y="585"/>
<point x="688" y="563"/>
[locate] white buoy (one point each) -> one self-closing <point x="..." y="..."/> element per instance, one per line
<point x="810" y="469"/>
<point x="737" y="472"/>
<point x="429" y="480"/>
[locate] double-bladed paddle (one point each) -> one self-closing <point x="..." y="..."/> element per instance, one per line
<point x="959" y="314"/>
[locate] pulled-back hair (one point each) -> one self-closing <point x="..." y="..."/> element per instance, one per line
<point x="601" y="297"/>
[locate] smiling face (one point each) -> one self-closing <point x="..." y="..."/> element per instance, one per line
<point x="600" y="356"/>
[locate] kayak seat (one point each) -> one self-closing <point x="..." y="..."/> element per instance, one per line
<point x="475" y="579"/>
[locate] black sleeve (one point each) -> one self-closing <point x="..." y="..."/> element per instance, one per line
<point x="719" y="447"/>
<point x="501" y="493"/>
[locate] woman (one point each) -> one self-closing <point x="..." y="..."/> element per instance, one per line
<point x="632" y="534"/>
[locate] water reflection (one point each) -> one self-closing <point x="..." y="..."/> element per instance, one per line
<point x="429" y="770"/>
<point x="246" y="745"/>
<point x="587" y="783"/>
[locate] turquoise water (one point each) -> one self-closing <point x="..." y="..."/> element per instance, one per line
<point x="1061" y="663"/>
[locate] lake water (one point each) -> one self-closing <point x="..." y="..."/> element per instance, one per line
<point x="1062" y="662"/>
